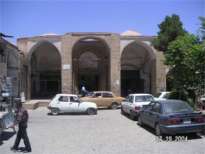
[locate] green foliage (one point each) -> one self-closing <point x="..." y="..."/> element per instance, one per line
<point x="186" y="58"/>
<point x="170" y="29"/>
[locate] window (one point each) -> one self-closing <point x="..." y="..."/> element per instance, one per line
<point x="156" y="108"/>
<point x="97" y="95"/>
<point x="149" y="98"/>
<point x="130" y="99"/>
<point x="176" y="107"/>
<point x="63" y="99"/>
<point x="74" y="99"/>
<point x="140" y="98"/>
<point x="107" y="95"/>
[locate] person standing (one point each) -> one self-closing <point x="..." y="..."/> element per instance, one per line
<point x="83" y="91"/>
<point x="22" y="120"/>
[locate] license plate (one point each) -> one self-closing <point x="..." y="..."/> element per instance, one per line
<point x="187" y="122"/>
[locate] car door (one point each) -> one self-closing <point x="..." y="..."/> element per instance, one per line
<point x="74" y="104"/>
<point x="107" y="99"/>
<point x="97" y="98"/>
<point x="63" y="104"/>
<point x="154" y="114"/>
<point x="145" y="115"/>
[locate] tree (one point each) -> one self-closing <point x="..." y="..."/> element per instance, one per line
<point x="170" y="29"/>
<point x="186" y="58"/>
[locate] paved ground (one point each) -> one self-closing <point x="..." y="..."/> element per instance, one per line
<point x="107" y="133"/>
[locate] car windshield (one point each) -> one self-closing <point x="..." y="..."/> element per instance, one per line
<point x="176" y="107"/>
<point x="143" y="98"/>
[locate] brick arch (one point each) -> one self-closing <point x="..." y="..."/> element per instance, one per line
<point x="44" y="68"/>
<point x="99" y="78"/>
<point x="137" y="68"/>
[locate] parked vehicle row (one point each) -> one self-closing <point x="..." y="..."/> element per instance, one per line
<point x="69" y="103"/>
<point x="165" y="116"/>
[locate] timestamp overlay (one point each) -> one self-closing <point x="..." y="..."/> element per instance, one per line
<point x="171" y="138"/>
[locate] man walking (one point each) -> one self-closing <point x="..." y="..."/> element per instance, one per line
<point x="21" y="119"/>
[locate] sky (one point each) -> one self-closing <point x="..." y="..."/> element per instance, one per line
<point x="25" y="18"/>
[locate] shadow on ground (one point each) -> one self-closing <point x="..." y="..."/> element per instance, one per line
<point x="6" y="136"/>
<point x="99" y="109"/>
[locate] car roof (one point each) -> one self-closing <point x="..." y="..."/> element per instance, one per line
<point x="66" y="95"/>
<point x="169" y="101"/>
<point x="102" y="92"/>
<point x="141" y="94"/>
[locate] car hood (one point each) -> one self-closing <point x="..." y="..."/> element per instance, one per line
<point x="141" y="103"/>
<point x="91" y="104"/>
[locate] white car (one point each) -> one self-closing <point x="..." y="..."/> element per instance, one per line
<point x="202" y="99"/>
<point x="134" y="102"/>
<point x="69" y="103"/>
<point x="164" y="95"/>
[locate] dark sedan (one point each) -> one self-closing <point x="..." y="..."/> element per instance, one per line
<point x="171" y="117"/>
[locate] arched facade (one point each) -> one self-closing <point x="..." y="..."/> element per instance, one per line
<point x="99" y="61"/>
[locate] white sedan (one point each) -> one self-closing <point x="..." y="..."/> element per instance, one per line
<point x="69" y="103"/>
<point x="164" y="95"/>
<point x="134" y="102"/>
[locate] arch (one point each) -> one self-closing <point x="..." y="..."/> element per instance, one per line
<point x="137" y="68"/>
<point x="44" y="61"/>
<point x="93" y="73"/>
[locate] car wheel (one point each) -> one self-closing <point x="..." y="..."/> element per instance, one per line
<point x="158" y="131"/>
<point x="132" y="116"/>
<point x="55" y="111"/>
<point x="114" y="106"/>
<point x="140" y="121"/>
<point x="91" y="111"/>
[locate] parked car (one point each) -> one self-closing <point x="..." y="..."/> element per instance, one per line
<point x="65" y="103"/>
<point x="171" y="117"/>
<point x="104" y="99"/>
<point x="163" y="95"/>
<point x="202" y="99"/>
<point x="134" y="102"/>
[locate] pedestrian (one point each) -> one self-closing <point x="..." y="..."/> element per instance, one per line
<point x="83" y="91"/>
<point x="22" y="120"/>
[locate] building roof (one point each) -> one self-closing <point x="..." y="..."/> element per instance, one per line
<point x="131" y="33"/>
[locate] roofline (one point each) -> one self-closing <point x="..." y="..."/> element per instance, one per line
<point x="9" y="43"/>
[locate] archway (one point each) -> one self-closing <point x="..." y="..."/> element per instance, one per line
<point x="137" y="63"/>
<point x="91" y="65"/>
<point x="45" y="70"/>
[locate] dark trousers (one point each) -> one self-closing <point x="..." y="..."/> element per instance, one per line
<point x="22" y="134"/>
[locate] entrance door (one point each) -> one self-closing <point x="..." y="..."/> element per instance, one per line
<point x="131" y="82"/>
<point x="90" y="81"/>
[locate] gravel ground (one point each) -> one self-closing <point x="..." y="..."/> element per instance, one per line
<point x="106" y="133"/>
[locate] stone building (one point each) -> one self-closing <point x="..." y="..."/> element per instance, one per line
<point x="10" y="65"/>
<point x="121" y="63"/>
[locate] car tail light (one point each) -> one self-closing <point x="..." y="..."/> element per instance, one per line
<point x="172" y="121"/>
<point x="137" y="108"/>
<point x="199" y="119"/>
